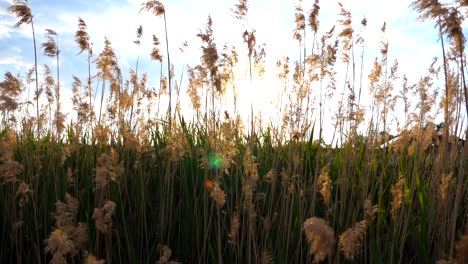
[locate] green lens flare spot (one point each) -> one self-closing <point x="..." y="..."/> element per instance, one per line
<point x="215" y="161"/>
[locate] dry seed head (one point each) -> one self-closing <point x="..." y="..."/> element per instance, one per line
<point x="164" y="85"/>
<point x="102" y="171"/>
<point x="10" y="89"/>
<point x="283" y="66"/>
<point x="250" y="166"/>
<point x="22" y="11"/>
<point x="249" y="206"/>
<point x="59" y="244"/>
<point x="444" y="186"/>
<point x="364" y="22"/>
<point x="82" y="37"/>
<point x="300" y="19"/>
<point x="324" y="183"/>
<point x="351" y="240"/>
<point x="376" y="72"/>
<point x="176" y="143"/>
<point x="443" y="261"/>
<point x="218" y="195"/>
<point x="195" y="83"/>
<point x="320" y="237"/>
<point x="67" y="239"/>
<point x="155" y="52"/>
<point x="370" y="210"/>
<point x="9" y="169"/>
<point x="249" y="38"/>
<point x="313" y="17"/>
<point x="154" y="6"/>
<point x="106" y="62"/>
<point x="90" y="259"/>
<point x="50" y="46"/>
<point x="103" y="217"/>
<point x="108" y="169"/>
<point x="266" y="258"/>
<point x="270" y="176"/>
<point x="461" y="248"/>
<point x="23" y="192"/>
<point x="65" y="212"/>
<point x="139" y="33"/>
<point x="79" y="234"/>
<point x="397" y="196"/>
<point x="166" y="254"/>
<point x="234" y="231"/>
<point x="241" y="9"/>
<point x="102" y="133"/>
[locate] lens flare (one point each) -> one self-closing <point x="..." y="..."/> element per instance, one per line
<point x="215" y="161"/>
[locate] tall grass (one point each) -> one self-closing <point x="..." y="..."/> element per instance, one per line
<point x="129" y="187"/>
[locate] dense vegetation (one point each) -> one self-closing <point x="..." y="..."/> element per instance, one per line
<point x="132" y="184"/>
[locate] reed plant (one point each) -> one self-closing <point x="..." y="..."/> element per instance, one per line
<point x="135" y="186"/>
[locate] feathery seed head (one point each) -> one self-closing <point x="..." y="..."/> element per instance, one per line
<point x="397" y="196"/>
<point x="154" y="6"/>
<point x="351" y="240"/>
<point x="320" y="237"/>
<point x="22" y="11"/>
<point x="313" y="17"/>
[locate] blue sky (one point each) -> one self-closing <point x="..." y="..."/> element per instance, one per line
<point x="413" y="43"/>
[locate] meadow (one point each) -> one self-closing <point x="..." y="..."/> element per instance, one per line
<point x="129" y="177"/>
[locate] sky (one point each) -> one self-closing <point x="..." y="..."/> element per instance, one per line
<point x="412" y="42"/>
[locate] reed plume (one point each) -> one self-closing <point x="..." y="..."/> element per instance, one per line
<point x="240" y="9"/>
<point x="10" y="90"/>
<point x="351" y="240"/>
<point x="82" y="38"/>
<point x="320" y="237"/>
<point x="22" y="11"/>
<point x="68" y="237"/>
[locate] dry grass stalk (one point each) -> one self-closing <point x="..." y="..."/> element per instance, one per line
<point x="351" y="240"/>
<point x="320" y="237"/>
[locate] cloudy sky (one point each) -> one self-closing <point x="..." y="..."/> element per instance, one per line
<point x="413" y="43"/>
